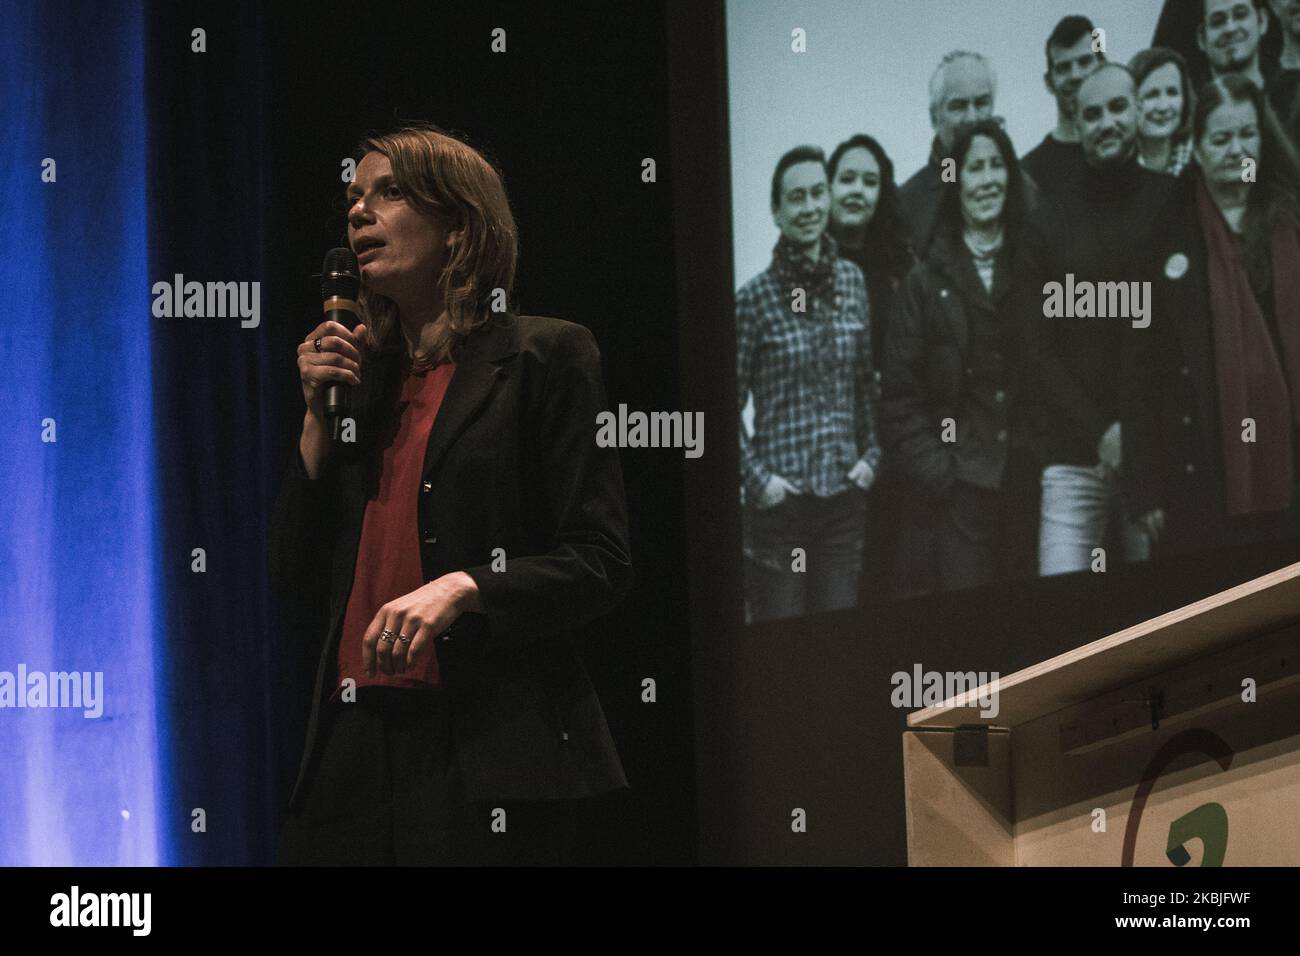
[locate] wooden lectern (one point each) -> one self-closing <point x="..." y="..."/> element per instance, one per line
<point x="1172" y="743"/>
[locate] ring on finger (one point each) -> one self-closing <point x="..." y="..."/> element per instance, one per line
<point x="387" y="636"/>
<point x="317" y="343"/>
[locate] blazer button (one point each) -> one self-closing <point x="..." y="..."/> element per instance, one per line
<point x="1186" y="370"/>
<point x="1187" y="419"/>
<point x="1002" y="435"/>
<point x="1000" y="395"/>
<point x="943" y="293"/>
<point x="426" y="486"/>
<point x="1190" y="468"/>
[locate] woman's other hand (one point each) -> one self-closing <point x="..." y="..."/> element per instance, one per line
<point x="421" y="615"/>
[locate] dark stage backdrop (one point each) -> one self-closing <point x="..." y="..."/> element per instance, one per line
<point x="245" y="146"/>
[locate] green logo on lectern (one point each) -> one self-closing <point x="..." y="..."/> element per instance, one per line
<point x="1209" y="824"/>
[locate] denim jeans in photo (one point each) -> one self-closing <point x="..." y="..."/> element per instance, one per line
<point x="830" y="531"/>
<point x="1082" y="510"/>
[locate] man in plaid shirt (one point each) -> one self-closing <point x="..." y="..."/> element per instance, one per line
<point x="803" y="351"/>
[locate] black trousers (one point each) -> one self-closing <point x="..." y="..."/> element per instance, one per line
<point x="386" y="791"/>
<point x="973" y="537"/>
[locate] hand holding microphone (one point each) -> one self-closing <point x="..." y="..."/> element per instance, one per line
<point x="337" y="362"/>
<point x="329" y="360"/>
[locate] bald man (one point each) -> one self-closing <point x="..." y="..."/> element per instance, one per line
<point x="1095" y="229"/>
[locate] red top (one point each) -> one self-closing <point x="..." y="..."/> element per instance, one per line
<point x="388" y="558"/>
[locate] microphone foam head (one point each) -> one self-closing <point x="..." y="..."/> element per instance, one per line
<point x="340" y="274"/>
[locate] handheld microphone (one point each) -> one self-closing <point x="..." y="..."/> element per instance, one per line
<point x="340" y="284"/>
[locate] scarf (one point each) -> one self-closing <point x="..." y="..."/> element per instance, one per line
<point x="795" y="271"/>
<point x="984" y="256"/>
<point x="1253" y="380"/>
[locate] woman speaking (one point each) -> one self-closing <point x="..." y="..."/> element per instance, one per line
<point x="461" y="527"/>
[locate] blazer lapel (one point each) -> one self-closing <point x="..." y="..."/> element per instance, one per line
<point x="478" y="368"/>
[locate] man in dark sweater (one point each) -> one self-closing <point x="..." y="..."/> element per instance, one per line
<point x="1086" y="238"/>
<point x="1070" y="60"/>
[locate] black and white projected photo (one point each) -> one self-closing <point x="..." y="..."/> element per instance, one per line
<point x="1017" y="289"/>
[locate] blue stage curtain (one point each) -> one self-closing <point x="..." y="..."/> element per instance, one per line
<point x="77" y="496"/>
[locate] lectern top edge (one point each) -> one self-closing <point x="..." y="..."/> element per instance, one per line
<point x="1269" y="602"/>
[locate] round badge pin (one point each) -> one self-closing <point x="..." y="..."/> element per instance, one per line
<point x="1176" y="266"/>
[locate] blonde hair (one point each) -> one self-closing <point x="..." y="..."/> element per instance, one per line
<point x="446" y="178"/>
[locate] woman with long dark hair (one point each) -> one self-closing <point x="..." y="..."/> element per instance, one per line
<point x="950" y="415"/>
<point x="1212" y="387"/>
<point x="866" y="221"/>
<point x="457" y="540"/>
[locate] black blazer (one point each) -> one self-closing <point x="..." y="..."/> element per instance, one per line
<point x="511" y="463"/>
